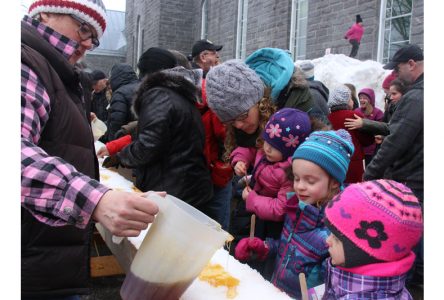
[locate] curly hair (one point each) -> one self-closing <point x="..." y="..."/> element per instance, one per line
<point x="266" y="109"/>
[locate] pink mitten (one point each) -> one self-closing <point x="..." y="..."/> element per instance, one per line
<point x="248" y="249"/>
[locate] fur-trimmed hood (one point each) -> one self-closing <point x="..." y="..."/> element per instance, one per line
<point x="297" y="80"/>
<point x="180" y="80"/>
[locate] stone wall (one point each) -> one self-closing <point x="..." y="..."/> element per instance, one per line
<point x="169" y="25"/>
<point x="101" y="62"/>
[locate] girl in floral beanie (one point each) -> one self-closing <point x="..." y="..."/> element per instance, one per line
<point x="319" y="168"/>
<point x="266" y="192"/>
<point x="375" y="225"/>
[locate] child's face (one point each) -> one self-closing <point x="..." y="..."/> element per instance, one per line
<point x="311" y="183"/>
<point x="395" y="95"/>
<point x="272" y="154"/>
<point x="364" y="101"/>
<point x="336" y="250"/>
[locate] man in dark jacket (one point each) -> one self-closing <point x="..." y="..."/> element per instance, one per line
<point x="100" y="101"/>
<point x="61" y="196"/>
<point x="205" y="55"/>
<point x="401" y="156"/>
<point x="124" y="83"/>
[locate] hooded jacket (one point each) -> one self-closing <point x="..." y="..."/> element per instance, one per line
<point x="124" y="83"/>
<point x="167" y="153"/>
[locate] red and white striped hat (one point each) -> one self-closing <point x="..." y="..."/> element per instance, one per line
<point x="91" y="11"/>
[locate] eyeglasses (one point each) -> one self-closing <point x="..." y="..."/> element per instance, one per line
<point x="241" y="117"/>
<point x="85" y="33"/>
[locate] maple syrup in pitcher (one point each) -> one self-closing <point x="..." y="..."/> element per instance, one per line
<point x="176" y="248"/>
<point x="135" y="288"/>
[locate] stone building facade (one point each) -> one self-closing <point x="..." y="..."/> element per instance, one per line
<point x="174" y="24"/>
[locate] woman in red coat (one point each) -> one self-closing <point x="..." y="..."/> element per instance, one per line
<point x="341" y="105"/>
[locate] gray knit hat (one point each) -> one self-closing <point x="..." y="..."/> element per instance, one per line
<point x="339" y="96"/>
<point x="232" y="89"/>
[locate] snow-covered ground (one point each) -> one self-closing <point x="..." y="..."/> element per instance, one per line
<point x="336" y="69"/>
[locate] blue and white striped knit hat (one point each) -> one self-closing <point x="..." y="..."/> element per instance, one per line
<point x="331" y="150"/>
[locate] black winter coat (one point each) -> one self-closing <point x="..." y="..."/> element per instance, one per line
<point x="168" y="151"/>
<point x="401" y="155"/>
<point x="124" y="84"/>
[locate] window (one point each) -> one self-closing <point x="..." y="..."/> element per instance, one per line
<point x="298" y="29"/>
<point x="395" y="24"/>
<point x="139" y="39"/>
<point x="204" y="20"/>
<point x="241" y="47"/>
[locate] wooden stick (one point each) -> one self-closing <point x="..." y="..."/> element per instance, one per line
<point x="252" y="226"/>
<point x="303" y="283"/>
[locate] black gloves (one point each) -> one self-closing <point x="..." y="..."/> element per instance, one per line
<point x="111" y="161"/>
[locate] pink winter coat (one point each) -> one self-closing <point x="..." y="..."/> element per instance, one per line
<point x="355" y="32"/>
<point x="268" y="198"/>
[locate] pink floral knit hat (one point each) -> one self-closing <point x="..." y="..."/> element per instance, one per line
<point x="382" y="218"/>
<point x="286" y="130"/>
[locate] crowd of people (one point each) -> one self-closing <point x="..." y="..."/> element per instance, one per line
<point x="335" y="183"/>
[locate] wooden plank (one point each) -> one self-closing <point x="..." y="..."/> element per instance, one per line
<point x="105" y="266"/>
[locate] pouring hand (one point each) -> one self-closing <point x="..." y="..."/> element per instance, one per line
<point x="251" y="248"/>
<point x="125" y="214"/>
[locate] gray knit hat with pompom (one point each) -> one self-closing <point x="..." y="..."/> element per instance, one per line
<point x="232" y="89"/>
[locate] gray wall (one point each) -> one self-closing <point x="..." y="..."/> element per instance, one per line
<point x="328" y="21"/>
<point x="101" y="62"/>
<point x="170" y="25"/>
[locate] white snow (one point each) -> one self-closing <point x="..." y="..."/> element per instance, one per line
<point x="336" y="69"/>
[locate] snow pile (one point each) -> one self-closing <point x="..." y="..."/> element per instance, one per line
<point x="336" y="69"/>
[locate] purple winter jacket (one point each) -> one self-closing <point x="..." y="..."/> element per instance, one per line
<point x="376" y="115"/>
<point x="268" y="198"/>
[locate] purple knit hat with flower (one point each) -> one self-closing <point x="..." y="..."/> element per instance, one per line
<point x="286" y="130"/>
<point x="377" y="221"/>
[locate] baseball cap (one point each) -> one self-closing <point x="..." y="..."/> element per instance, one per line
<point x="97" y="75"/>
<point x="203" y="45"/>
<point x="405" y="54"/>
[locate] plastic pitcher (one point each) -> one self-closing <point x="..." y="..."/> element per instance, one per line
<point x="176" y="248"/>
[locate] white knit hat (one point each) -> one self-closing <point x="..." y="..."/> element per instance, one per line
<point x="92" y="12"/>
